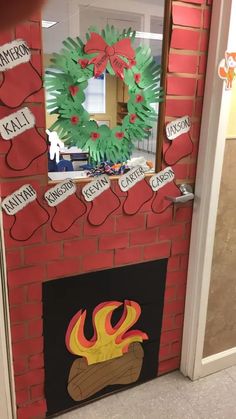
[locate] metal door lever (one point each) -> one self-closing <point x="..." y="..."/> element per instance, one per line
<point x="187" y="195"/>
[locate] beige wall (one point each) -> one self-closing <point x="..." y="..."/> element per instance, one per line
<point x="46" y="60"/>
<point x="232" y="117"/>
<point x="221" y="316"/>
<point x="50" y="119"/>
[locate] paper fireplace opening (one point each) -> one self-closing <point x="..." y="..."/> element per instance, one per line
<point x="102" y="332"/>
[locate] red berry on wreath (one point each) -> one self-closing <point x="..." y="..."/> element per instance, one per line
<point x="132" y="118"/>
<point x="120" y="135"/>
<point x="137" y="77"/>
<point x="95" y="136"/>
<point x="73" y="90"/>
<point x="139" y="98"/>
<point x="74" y="120"/>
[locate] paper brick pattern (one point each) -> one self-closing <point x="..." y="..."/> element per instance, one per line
<point x="121" y="239"/>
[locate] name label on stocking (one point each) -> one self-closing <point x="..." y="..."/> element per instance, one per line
<point x="14" y="203"/>
<point x="13" y="54"/>
<point x="15" y="124"/>
<point x="96" y="188"/>
<point x="128" y="180"/>
<point x="178" y="127"/>
<point x="162" y="178"/>
<point x="60" y="192"/>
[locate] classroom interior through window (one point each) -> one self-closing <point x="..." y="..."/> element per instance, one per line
<point x="103" y="93"/>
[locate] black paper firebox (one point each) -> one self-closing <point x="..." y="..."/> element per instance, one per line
<point x="101" y="332"/>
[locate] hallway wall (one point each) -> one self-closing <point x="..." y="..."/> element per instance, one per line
<point x="232" y="123"/>
<point x="221" y="326"/>
<point x="220" y="334"/>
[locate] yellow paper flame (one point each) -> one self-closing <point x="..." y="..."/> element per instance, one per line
<point x="108" y="342"/>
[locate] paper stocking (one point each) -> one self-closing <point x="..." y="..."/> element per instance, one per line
<point x="103" y="206"/>
<point x="160" y="203"/>
<point x="18" y="84"/>
<point x="137" y="197"/>
<point x="28" y="221"/>
<point x="67" y="212"/>
<point x="179" y="148"/>
<point x="26" y="148"/>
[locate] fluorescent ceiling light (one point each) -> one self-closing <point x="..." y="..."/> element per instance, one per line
<point x="48" y="24"/>
<point x="149" y="35"/>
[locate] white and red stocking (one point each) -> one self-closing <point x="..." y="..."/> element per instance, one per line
<point x="26" y="148"/>
<point x="138" y="195"/>
<point x="67" y="212"/>
<point x="103" y="206"/>
<point x="160" y="202"/>
<point x="180" y="147"/>
<point x="28" y="221"/>
<point x="18" y="84"/>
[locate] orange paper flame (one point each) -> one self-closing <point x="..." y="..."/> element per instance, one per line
<point x="108" y="342"/>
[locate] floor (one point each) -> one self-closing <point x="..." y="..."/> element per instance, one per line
<point x="169" y="397"/>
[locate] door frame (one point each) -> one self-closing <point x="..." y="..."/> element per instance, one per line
<point x="210" y="162"/>
<point x="7" y="390"/>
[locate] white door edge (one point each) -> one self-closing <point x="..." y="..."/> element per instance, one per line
<point x="210" y="162"/>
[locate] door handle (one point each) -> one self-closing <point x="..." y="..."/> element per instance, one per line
<point x="187" y="195"/>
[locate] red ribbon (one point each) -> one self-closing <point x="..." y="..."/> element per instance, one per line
<point x="111" y="53"/>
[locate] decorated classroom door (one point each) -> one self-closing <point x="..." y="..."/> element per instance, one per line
<point x="96" y="269"/>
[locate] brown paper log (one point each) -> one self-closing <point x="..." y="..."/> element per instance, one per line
<point x="86" y="380"/>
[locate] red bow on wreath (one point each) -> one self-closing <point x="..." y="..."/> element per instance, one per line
<point x="111" y="53"/>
